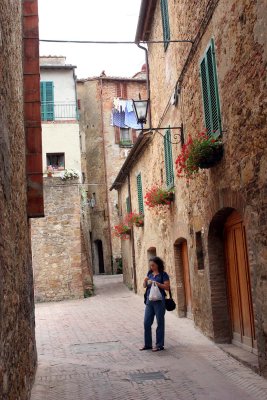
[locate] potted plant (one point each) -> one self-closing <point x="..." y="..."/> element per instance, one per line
<point x="122" y="230"/>
<point x="158" y="196"/>
<point x="50" y="171"/>
<point x="136" y="219"/>
<point x="204" y="151"/>
<point x="69" y="174"/>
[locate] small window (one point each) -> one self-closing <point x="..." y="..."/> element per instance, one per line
<point x="140" y="194"/>
<point x="125" y="137"/>
<point x="210" y="92"/>
<point x="199" y="251"/>
<point x="168" y="159"/>
<point x="165" y="23"/>
<point x="56" y="160"/>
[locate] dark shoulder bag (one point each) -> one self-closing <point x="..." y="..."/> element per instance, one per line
<point x="169" y="303"/>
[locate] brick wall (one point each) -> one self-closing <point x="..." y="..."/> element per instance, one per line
<point x="59" y="254"/>
<point x="238" y="182"/>
<point x="17" y="338"/>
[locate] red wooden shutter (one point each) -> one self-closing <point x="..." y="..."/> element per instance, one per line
<point x="124" y="90"/>
<point x="117" y="135"/>
<point x="134" y="135"/>
<point x="118" y="89"/>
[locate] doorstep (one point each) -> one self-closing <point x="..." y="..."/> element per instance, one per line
<point x="245" y="357"/>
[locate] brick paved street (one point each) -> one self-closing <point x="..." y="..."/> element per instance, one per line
<point x="88" y="350"/>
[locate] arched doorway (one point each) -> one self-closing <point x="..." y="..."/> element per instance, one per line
<point x="151" y="252"/>
<point x="100" y="256"/>
<point x="184" y="292"/>
<point x="231" y="299"/>
<point x="238" y="281"/>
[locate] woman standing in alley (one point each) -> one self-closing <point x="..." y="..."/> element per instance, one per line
<point x="156" y="277"/>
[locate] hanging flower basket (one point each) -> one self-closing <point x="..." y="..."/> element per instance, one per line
<point x="211" y="157"/>
<point x="135" y="219"/>
<point x="205" y="151"/>
<point x="122" y="230"/>
<point x="157" y="196"/>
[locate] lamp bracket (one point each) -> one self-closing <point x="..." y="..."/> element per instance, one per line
<point x="179" y="135"/>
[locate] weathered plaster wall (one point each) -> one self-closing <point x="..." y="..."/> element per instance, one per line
<point x="17" y="337"/>
<point x="62" y="138"/>
<point x="59" y="259"/>
<point x="94" y="171"/>
<point x="239" y="181"/>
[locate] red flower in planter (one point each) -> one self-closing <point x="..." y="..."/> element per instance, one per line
<point x="122" y="230"/>
<point x="204" y="151"/>
<point x="157" y="196"/>
<point x="134" y="218"/>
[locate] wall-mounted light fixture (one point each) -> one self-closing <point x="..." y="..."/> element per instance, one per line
<point x="141" y="110"/>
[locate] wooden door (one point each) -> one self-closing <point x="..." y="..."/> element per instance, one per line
<point x="238" y="280"/>
<point x="187" y="285"/>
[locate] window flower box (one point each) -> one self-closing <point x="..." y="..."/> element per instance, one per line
<point x="123" y="230"/>
<point x="136" y="219"/>
<point x="157" y="196"/>
<point x="204" y="151"/>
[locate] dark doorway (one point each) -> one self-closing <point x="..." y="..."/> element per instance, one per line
<point x="100" y="255"/>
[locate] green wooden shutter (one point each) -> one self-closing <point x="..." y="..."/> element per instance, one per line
<point x="47" y="101"/>
<point x="128" y="207"/>
<point x="140" y="193"/>
<point x="165" y="22"/>
<point x="168" y="159"/>
<point x="210" y="92"/>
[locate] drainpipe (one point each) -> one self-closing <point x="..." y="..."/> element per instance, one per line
<point x="147" y="82"/>
<point x="132" y="236"/>
<point x="105" y="171"/>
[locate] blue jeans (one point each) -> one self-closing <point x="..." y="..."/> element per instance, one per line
<point x="154" y="308"/>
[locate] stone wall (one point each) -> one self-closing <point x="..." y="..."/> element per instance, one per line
<point x="59" y="255"/>
<point x="17" y="337"/>
<point x="238" y="182"/>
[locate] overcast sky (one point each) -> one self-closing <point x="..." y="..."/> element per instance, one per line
<point x="92" y="20"/>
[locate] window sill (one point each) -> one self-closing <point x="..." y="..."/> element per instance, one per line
<point x="126" y="145"/>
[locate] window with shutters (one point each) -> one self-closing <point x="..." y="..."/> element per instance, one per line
<point x="121" y="90"/>
<point x="128" y="206"/>
<point x="165" y="23"/>
<point x="168" y="159"/>
<point x="140" y="194"/>
<point x="210" y="91"/>
<point x="47" y="101"/>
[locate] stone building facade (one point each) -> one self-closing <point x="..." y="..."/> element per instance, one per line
<point x="103" y="153"/>
<point x="218" y="219"/>
<point x="61" y="257"/>
<point x="20" y="197"/>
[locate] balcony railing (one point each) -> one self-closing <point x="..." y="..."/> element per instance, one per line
<point x="59" y="111"/>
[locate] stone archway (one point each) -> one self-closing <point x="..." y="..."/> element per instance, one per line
<point x="151" y="252"/>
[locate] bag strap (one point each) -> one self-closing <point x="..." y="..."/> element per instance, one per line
<point x="170" y="292"/>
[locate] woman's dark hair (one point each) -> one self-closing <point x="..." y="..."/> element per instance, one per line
<point x="159" y="262"/>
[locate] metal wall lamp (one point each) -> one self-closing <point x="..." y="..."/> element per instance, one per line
<point x="141" y="110"/>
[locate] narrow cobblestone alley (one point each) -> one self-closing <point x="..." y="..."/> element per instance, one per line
<point x="88" y="350"/>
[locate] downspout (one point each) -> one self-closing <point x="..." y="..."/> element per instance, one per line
<point x="105" y="169"/>
<point x="147" y="82"/>
<point x="132" y="236"/>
